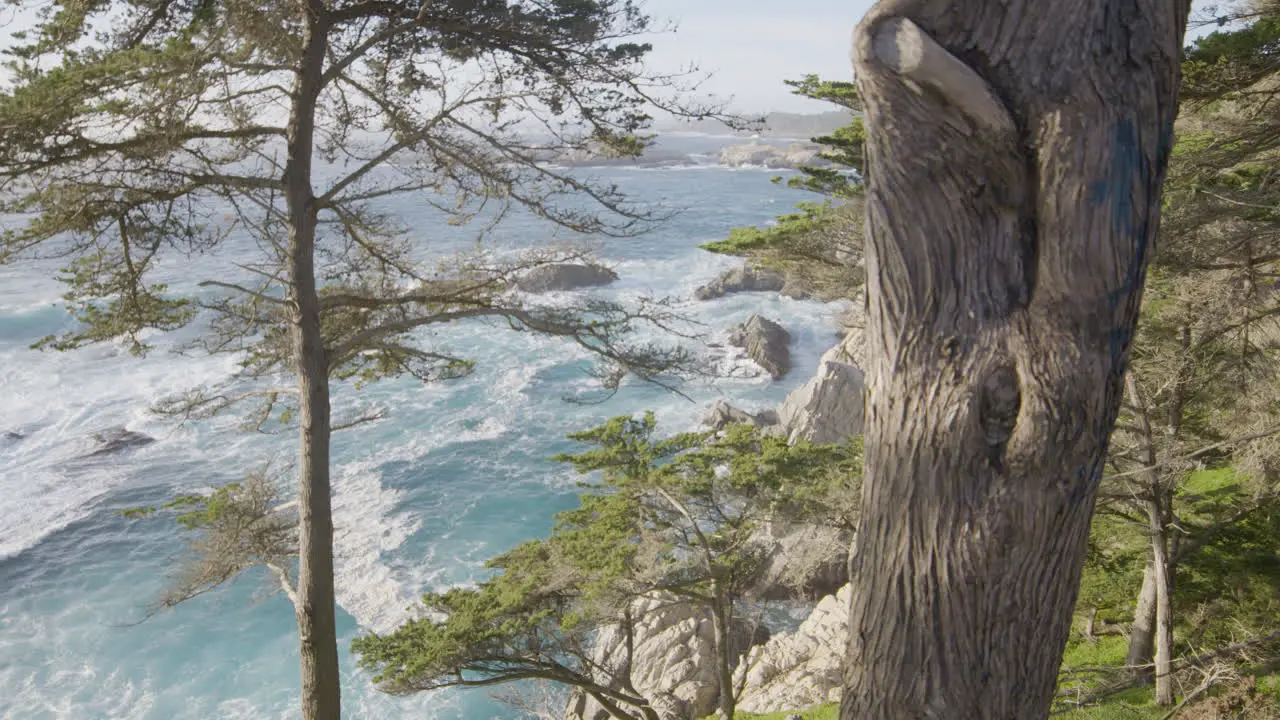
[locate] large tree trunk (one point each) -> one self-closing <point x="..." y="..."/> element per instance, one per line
<point x="1016" y="155"/>
<point x="317" y="633"/>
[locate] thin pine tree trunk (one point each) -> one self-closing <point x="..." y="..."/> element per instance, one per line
<point x="317" y="633"/>
<point x="724" y="654"/>
<point x="1142" y="634"/>
<point x="1164" y="612"/>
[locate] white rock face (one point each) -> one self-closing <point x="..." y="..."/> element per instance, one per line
<point x="794" y="671"/>
<point x="792" y="156"/>
<point x="828" y="408"/>
<point x="674" y="663"/>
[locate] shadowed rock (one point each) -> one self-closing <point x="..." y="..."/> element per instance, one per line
<point x="565" y="276"/>
<point x="117" y="440"/>
<point x="766" y="343"/>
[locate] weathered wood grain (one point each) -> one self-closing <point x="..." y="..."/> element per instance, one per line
<point x="1016" y="153"/>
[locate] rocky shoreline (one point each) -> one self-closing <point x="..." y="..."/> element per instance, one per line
<point x="674" y="654"/>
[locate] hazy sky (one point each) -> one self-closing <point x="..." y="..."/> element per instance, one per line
<point x="750" y="46"/>
<point x="753" y="45"/>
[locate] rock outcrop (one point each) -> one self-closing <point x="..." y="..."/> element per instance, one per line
<point x="117" y="440"/>
<point x="742" y="279"/>
<point x="749" y="278"/>
<point x="766" y="342"/>
<point x="721" y="414"/>
<point x="564" y="276"/>
<point x="807" y="562"/>
<point x="771" y="156"/>
<point x="674" y="662"/>
<point x="828" y="408"/>
<point x="800" y="669"/>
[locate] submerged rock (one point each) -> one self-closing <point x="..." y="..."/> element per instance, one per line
<point x="565" y="276"/>
<point x="741" y="279"/>
<point x="766" y="342"/>
<point x="116" y="440"/>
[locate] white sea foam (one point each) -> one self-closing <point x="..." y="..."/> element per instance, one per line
<point x="367" y="525"/>
<point x="57" y="404"/>
<point x="455" y="474"/>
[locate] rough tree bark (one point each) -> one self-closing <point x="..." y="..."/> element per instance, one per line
<point x="721" y="622"/>
<point x="314" y="609"/>
<point x="1016" y="152"/>
<point x="1164" y="611"/>
<point x="1157" y="504"/>
<point x="1142" y="634"/>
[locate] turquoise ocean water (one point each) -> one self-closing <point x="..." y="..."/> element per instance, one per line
<point x="456" y="473"/>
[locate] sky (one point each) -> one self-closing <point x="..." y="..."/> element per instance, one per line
<point x="749" y="46"/>
<point x="752" y="46"/>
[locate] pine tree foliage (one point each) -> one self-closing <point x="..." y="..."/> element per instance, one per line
<point x="819" y="246"/>
<point x="665" y="519"/>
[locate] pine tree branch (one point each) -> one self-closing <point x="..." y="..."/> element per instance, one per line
<point x="1208" y="448"/>
<point x="244" y="290"/>
<point x="285" y="583"/>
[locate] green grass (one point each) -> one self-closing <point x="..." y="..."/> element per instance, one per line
<point x="1106" y="650"/>
<point x="1132" y="704"/>
<point x="1269" y="685"/>
<point x="1203" y="482"/>
<point x="830" y="711"/>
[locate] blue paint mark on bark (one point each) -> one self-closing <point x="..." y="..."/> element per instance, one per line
<point x="1118" y="341"/>
<point x="1129" y="171"/>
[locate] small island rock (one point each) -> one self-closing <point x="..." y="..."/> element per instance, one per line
<point x="766" y="342"/>
<point x="742" y="279"/>
<point x="115" y="440"/>
<point x="564" y="276"/>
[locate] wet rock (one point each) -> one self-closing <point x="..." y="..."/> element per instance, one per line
<point x="771" y="156"/>
<point x="766" y="342"/>
<point x="742" y="279"/>
<point x="565" y="276"/>
<point x="117" y="440"/>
